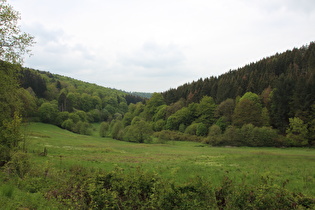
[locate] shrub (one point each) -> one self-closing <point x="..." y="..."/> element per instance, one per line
<point x="19" y="164"/>
<point x="214" y="137"/>
<point x="139" y="131"/>
<point x="117" y="129"/>
<point x="159" y="125"/>
<point x="201" y="130"/>
<point x="166" y="135"/>
<point x="191" y="129"/>
<point x="68" y="124"/>
<point x="104" y="128"/>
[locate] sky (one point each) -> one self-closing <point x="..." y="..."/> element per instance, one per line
<point x="155" y="45"/>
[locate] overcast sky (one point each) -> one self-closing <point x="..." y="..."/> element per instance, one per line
<point x="154" y="45"/>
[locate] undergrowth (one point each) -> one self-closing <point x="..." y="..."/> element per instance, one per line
<point x="82" y="188"/>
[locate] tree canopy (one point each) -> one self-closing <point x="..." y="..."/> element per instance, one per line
<point x="13" y="42"/>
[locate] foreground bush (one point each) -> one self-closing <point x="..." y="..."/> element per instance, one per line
<point x="138" y="189"/>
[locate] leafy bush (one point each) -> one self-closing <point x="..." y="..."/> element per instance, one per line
<point x="176" y="136"/>
<point x="215" y="135"/>
<point x="192" y="129"/>
<point x="202" y="130"/>
<point x="19" y="164"/>
<point x="139" y="189"/>
<point x="104" y="129"/>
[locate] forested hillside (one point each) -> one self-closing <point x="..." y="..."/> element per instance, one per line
<point x="70" y="103"/>
<point x="289" y="76"/>
<point x="248" y="106"/>
<point x="293" y="66"/>
<point x="266" y="103"/>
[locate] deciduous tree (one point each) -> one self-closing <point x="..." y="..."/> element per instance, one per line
<point x="13" y="42"/>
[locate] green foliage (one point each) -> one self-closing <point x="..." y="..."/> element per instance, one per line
<point x="14" y="42"/>
<point x="19" y="164"/>
<point x="83" y="128"/>
<point x="222" y="122"/>
<point x="231" y="136"/>
<point x="61" y="117"/>
<point x="68" y="124"/>
<point x="152" y="105"/>
<point x="139" y="131"/>
<point x="215" y="136"/>
<point x="166" y="135"/>
<point x="140" y="189"/>
<point x="29" y="102"/>
<point x="249" y="135"/>
<point x="10" y="110"/>
<point x="48" y="112"/>
<point x="104" y="128"/>
<point x="201" y="130"/>
<point x="297" y="132"/>
<point x="251" y="97"/>
<point x="117" y="129"/>
<point x="10" y="137"/>
<point x="182" y="116"/>
<point x="10" y="133"/>
<point x="160" y="113"/>
<point x="9" y="91"/>
<point x="127" y="119"/>
<point x="226" y="109"/>
<point x="159" y="125"/>
<point x="206" y="110"/>
<point x="247" y="112"/>
<point x="192" y="129"/>
<point x="74" y="117"/>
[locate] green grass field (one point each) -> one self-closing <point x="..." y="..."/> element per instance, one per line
<point x="176" y="160"/>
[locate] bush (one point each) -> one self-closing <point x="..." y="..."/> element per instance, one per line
<point x="166" y="135"/>
<point x="68" y="125"/>
<point x="48" y="112"/>
<point x="117" y="129"/>
<point x="139" y="131"/>
<point x="19" y="164"/>
<point x="191" y="129"/>
<point x="104" y="129"/>
<point x="139" y="189"/>
<point x="214" y="137"/>
<point x="83" y="128"/>
<point x="201" y="130"/>
<point x="159" y="125"/>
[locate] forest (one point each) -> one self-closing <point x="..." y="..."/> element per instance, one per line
<point x="266" y="103"/>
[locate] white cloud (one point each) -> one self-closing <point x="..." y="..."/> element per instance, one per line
<point x="139" y="45"/>
<point x="153" y="56"/>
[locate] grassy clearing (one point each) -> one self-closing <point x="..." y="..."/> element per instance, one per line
<point x="181" y="161"/>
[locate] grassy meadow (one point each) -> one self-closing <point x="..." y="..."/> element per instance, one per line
<point x="180" y="161"/>
<point x="64" y="170"/>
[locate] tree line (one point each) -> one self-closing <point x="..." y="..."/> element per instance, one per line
<point x="267" y="103"/>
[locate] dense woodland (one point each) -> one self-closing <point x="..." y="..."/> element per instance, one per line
<point x="266" y="103"/>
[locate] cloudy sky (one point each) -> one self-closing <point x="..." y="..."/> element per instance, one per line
<point x="154" y="45"/>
